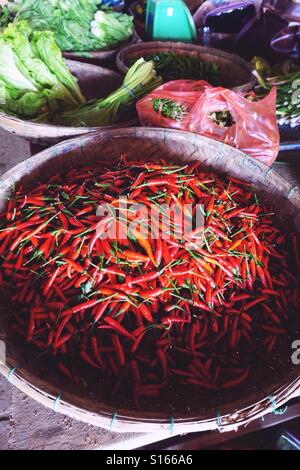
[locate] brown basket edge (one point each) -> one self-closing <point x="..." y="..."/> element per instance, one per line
<point x="123" y="68"/>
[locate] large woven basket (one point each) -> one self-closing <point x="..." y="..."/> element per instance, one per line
<point x="95" y="82"/>
<point x="259" y="396"/>
<point x="105" y="57"/>
<point x="235" y="72"/>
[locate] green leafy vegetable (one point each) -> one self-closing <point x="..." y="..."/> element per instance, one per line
<point x="8" y="13"/>
<point x="169" y="109"/>
<point x="285" y="76"/>
<point x="140" y="79"/>
<point x="261" y="66"/>
<point x="110" y="27"/>
<point x="34" y="79"/>
<point x="75" y="23"/>
<point x="288" y="98"/>
<point x="172" y="66"/>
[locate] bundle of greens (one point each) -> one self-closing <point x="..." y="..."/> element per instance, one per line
<point x="169" y="108"/>
<point x="77" y="24"/>
<point x="288" y="98"/>
<point x="172" y="66"/>
<point x="286" y="78"/>
<point x="140" y="80"/>
<point x="34" y="79"/>
<point x="111" y="27"/>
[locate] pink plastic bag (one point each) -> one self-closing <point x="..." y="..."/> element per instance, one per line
<point x="184" y="92"/>
<point x="192" y="106"/>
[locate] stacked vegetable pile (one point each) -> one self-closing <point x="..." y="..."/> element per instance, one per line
<point x="286" y="78"/>
<point x="148" y="312"/>
<point x="34" y="79"/>
<point x="36" y="84"/>
<point x="288" y="98"/>
<point x="78" y="25"/>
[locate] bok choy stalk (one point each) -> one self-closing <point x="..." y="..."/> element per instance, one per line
<point x="285" y="77"/>
<point x="140" y="80"/>
<point x="111" y="27"/>
<point x="75" y="24"/>
<point x="34" y="79"/>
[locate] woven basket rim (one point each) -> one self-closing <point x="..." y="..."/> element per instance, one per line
<point x="122" y="67"/>
<point x="223" y="422"/>
<point x="68" y="129"/>
<point x="242" y="411"/>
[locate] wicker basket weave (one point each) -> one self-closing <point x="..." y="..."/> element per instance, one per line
<point x="235" y="72"/>
<point x="102" y="57"/>
<point x="95" y="82"/>
<point x="258" y="397"/>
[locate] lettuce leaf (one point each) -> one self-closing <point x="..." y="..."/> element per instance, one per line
<point x="34" y="79"/>
<point x="49" y="52"/>
<point x="9" y="71"/>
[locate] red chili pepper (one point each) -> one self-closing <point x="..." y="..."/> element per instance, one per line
<point x="261" y="275"/>
<point x="153" y="293"/>
<point x="96" y="352"/>
<point x="30" y="235"/>
<point x="65" y="371"/>
<point x="144" y="278"/>
<point x="46" y="248"/>
<point x="236" y="381"/>
<point x="145" y="244"/>
<point x="84" y="306"/>
<point x="255" y="302"/>
<point x="31" y="327"/>
<point x="77" y="267"/>
<point x="139" y="180"/>
<point x="51" y="280"/>
<point x="11" y="209"/>
<point x="119" y="328"/>
<point x="159" y="251"/>
<point x="134" y="257"/>
<point x="84" y="355"/>
<point x="63" y="340"/>
<point x="119" y="350"/>
<point x="144" y="310"/>
<point x="137" y="342"/>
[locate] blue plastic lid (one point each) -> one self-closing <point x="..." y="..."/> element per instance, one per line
<point x="113" y="3"/>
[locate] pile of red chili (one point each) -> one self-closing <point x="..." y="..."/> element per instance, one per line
<point x="148" y="312"/>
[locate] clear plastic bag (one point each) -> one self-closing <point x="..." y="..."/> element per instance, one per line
<point x="218" y="113"/>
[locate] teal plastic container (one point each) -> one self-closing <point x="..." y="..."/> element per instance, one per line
<point x="170" y="20"/>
